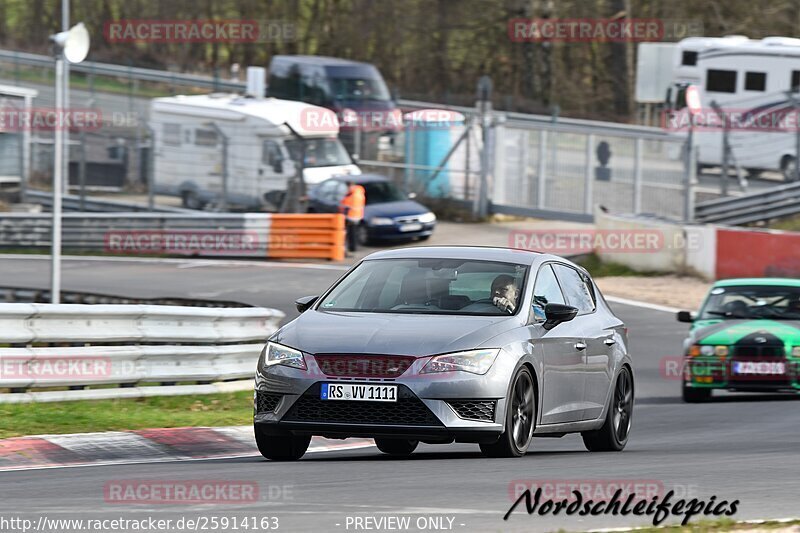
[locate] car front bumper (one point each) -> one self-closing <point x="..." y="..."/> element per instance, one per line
<point x="428" y="406"/>
<point x="713" y="373"/>
<point x="393" y="233"/>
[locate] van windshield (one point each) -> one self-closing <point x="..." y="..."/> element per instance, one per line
<point x="360" y="89"/>
<point x="324" y="152"/>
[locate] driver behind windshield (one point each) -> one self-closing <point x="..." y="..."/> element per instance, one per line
<point x="504" y="293"/>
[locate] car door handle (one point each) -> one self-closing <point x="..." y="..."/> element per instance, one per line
<point x="580" y="345"/>
<point x="609" y="341"/>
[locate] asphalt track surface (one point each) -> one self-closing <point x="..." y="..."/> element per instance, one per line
<point x="742" y="447"/>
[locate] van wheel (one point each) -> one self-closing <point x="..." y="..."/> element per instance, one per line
<point x="788" y="164"/>
<point x="190" y="200"/>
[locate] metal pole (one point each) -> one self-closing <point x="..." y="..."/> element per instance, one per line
<point x="541" y="184"/>
<point x="796" y="103"/>
<point x="151" y="157"/>
<point x="221" y="134"/>
<point x="588" y="182"/>
<point x="25" y="169"/>
<point x="726" y="149"/>
<point x="637" y="176"/>
<point x="64" y="109"/>
<point x="690" y="176"/>
<point x="55" y="254"/>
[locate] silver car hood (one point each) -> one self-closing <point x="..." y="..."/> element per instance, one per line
<point x="389" y="333"/>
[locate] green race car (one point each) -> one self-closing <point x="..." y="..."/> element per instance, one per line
<point x="746" y="337"/>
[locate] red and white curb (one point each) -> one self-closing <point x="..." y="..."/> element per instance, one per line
<point x="143" y="446"/>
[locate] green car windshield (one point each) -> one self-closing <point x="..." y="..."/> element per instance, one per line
<point x="429" y="286"/>
<point x="752" y="302"/>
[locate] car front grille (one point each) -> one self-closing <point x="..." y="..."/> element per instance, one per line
<point x="407" y="220"/>
<point x="756" y="351"/>
<point x="408" y="410"/>
<point x="481" y="410"/>
<point x="267" y="402"/>
<point x="364" y="366"/>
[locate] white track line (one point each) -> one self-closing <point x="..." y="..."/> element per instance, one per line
<point x="645" y="305"/>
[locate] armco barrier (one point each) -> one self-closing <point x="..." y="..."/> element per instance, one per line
<point x="162" y="344"/>
<point x="195" y="234"/>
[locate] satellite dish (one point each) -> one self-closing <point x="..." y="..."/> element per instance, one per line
<point x="74" y="42"/>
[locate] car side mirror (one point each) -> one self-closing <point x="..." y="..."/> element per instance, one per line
<point x="685" y="316"/>
<point x="412" y="195"/>
<point x="305" y="302"/>
<point x="277" y="166"/>
<point x="555" y="314"/>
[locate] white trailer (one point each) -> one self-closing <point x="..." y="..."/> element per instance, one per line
<point x="247" y="145"/>
<point x="749" y="80"/>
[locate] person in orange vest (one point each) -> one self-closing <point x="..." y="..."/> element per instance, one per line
<point x="352" y="205"/>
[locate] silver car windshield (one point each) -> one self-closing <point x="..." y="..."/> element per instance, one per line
<point x="430" y="286"/>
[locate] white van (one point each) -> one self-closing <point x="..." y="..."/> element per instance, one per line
<point x="749" y="80"/>
<point x="262" y="147"/>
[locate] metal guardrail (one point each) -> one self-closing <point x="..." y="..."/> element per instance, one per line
<point x="780" y="201"/>
<point x="108" y="69"/>
<point x="41" y="295"/>
<point x="71" y="202"/>
<point x="219" y="84"/>
<point x="168" y="345"/>
<point x="258" y="235"/>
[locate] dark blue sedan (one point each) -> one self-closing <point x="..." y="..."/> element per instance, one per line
<point x="389" y="214"/>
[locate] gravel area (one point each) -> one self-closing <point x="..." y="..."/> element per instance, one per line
<point x="675" y="291"/>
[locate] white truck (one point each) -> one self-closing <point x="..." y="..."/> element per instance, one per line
<point x="247" y="146"/>
<point x="749" y="80"/>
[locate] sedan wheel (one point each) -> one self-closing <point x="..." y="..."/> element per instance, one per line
<point x="281" y="446"/>
<point x="613" y="436"/>
<point x="362" y="235"/>
<point x="520" y="419"/>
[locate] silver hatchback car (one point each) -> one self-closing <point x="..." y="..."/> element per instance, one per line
<point x="441" y="344"/>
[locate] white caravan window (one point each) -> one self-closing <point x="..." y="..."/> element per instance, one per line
<point x="755" y="81"/>
<point x="205" y="137"/>
<point x="721" y="81"/>
<point x="795" y="80"/>
<point x="172" y="134"/>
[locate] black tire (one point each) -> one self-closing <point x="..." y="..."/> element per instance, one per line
<point x="397" y="447"/>
<point x="520" y="419"/>
<point x="691" y="395"/>
<point x="787" y="168"/>
<point x="281" y="446"/>
<point x="191" y="200"/>
<point x="613" y="435"/>
<point x="424" y="237"/>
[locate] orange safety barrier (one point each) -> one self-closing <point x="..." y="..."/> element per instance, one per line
<point x="301" y="236"/>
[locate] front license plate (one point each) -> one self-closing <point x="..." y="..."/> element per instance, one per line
<point x="758" y="368"/>
<point x="411" y="227"/>
<point x="359" y="393"/>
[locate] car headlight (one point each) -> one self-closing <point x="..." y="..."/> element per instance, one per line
<point x="277" y="354"/>
<point x="720" y="351"/>
<point x="381" y="221"/>
<point x="427" y="218"/>
<point x="473" y="361"/>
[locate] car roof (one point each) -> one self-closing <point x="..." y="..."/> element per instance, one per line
<point x="771" y="282"/>
<point x="321" y="60"/>
<point x="485" y="253"/>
